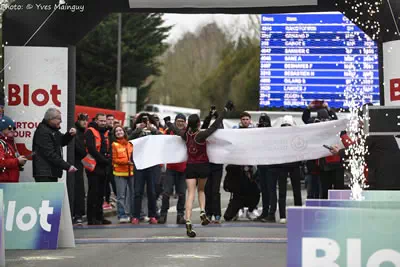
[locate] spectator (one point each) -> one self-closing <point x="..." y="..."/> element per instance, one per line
<point x="331" y="168"/>
<point x="145" y="125"/>
<point x="213" y="185"/>
<point x="48" y="162"/>
<point x="77" y="200"/>
<point x="264" y="172"/>
<point x="11" y="162"/>
<point x="246" y="123"/>
<point x="279" y="174"/>
<point x="97" y="163"/>
<point x="110" y="177"/>
<point x="123" y="171"/>
<point x="175" y="177"/>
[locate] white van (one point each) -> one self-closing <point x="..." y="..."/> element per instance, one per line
<point x="164" y="110"/>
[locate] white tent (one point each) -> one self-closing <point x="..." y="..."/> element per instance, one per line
<point x="219" y="3"/>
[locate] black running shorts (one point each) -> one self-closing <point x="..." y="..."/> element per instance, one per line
<point x="197" y="170"/>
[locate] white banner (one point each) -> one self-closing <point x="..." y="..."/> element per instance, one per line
<point x="36" y="78"/>
<point x="218" y="3"/>
<point x="391" y="72"/>
<point x="257" y="146"/>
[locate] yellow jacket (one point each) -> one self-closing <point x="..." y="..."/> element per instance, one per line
<point x="121" y="159"/>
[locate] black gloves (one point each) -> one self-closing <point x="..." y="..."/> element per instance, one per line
<point x="229" y="106"/>
<point x="167" y="119"/>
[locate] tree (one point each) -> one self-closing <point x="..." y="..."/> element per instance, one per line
<point x="185" y="66"/>
<point x="142" y="43"/>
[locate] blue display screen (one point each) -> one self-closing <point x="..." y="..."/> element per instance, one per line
<point x="315" y="56"/>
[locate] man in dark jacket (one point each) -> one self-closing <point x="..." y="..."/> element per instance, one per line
<point x="213" y="185"/>
<point x="97" y="144"/>
<point x="110" y="176"/>
<point x="48" y="162"/>
<point x="77" y="201"/>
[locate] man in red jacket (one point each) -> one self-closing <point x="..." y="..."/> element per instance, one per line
<point x="175" y="176"/>
<point x="10" y="160"/>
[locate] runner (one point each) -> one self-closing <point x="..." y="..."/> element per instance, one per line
<point x="198" y="166"/>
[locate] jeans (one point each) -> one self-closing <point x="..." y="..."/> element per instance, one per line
<point x="122" y="184"/>
<point x="142" y="177"/>
<point x="313" y="186"/>
<point x="178" y="179"/>
<point x="331" y="180"/>
<point x="264" y="188"/>
<point x="280" y="175"/>
<point x="212" y="190"/>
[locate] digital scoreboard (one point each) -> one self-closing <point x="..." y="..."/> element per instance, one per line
<point x="315" y="56"/>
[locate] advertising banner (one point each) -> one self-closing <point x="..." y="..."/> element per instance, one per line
<point x="2" y="245"/>
<point x="391" y="72"/>
<point x="373" y="195"/>
<point x="36" y="78"/>
<point x="343" y="237"/>
<point x="32" y="214"/>
<point x="364" y="204"/>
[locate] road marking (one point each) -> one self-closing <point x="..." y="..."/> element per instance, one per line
<point x="180" y="239"/>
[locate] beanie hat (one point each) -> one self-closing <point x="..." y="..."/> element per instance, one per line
<point x="6" y="122"/>
<point x="288" y="121"/>
<point x="180" y="116"/>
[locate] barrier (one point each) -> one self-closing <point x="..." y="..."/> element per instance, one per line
<point x="373" y="195"/>
<point x="345" y="237"/>
<point x="33" y="213"/>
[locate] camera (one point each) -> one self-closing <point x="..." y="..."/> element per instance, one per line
<point x="264" y="121"/>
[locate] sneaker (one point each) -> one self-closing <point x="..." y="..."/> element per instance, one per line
<point x="282" y="221"/>
<point x="135" y="221"/>
<point x="241" y="214"/>
<point x="104" y="221"/>
<point x="180" y="219"/>
<point x="153" y="220"/>
<point x="145" y="219"/>
<point x="124" y="219"/>
<point x="189" y="230"/>
<point x="204" y="219"/>
<point x="107" y="206"/>
<point x="252" y="215"/>
<point x="217" y="220"/>
<point x="163" y="219"/>
<point x="95" y="222"/>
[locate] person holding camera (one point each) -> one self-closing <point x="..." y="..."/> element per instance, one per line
<point x="198" y="166"/>
<point x="11" y="162"/>
<point x="213" y="185"/>
<point x="145" y="125"/>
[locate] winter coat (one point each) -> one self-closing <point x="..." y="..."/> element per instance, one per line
<point x="9" y="165"/>
<point x="48" y="158"/>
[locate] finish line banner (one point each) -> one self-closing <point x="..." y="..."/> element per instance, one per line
<point x="256" y="146"/>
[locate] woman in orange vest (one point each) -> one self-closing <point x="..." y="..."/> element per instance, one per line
<point x="123" y="171"/>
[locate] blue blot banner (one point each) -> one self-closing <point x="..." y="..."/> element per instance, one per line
<point x="32" y="213"/>
<point x="343" y="237"/>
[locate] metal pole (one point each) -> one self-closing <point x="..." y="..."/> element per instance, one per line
<point x="118" y="85"/>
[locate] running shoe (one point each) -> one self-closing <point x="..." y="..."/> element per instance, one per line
<point x="189" y="230"/>
<point x="153" y="220"/>
<point x="135" y="221"/>
<point x="204" y="219"/>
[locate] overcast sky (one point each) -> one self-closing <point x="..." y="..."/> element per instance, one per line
<point x="191" y="22"/>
